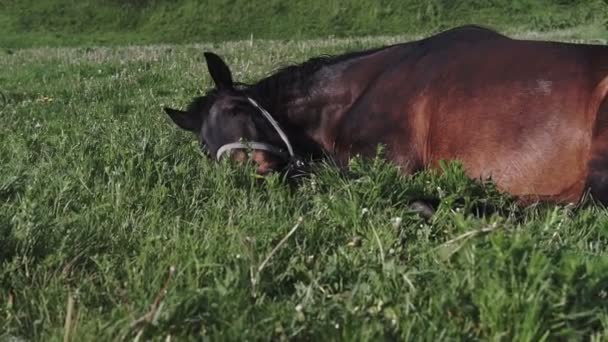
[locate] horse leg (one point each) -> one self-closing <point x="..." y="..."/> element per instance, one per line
<point x="597" y="178"/>
<point x="424" y="208"/>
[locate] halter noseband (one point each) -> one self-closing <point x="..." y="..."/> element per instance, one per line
<point x="256" y="145"/>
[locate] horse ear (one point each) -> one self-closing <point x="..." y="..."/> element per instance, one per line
<point x="220" y="72"/>
<point x="185" y="120"/>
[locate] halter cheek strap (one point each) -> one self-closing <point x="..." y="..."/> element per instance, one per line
<point x="275" y="125"/>
<point x="256" y="145"/>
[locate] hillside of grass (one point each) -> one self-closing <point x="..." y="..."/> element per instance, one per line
<point x="26" y="23"/>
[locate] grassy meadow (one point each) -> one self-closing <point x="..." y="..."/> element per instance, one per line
<point x="34" y="23"/>
<point x="114" y="227"/>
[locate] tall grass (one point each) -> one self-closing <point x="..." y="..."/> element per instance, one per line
<point x="100" y="196"/>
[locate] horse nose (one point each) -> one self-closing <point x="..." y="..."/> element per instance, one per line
<point x="263" y="170"/>
<point x="265" y="163"/>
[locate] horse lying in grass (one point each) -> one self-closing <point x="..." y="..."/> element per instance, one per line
<point x="530" y="115"/>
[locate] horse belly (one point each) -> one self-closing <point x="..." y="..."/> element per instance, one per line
<point x="534" y="144"/>
<point x="540" y="165"/>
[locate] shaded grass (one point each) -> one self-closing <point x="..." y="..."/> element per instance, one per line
<point x="100" y="195"/>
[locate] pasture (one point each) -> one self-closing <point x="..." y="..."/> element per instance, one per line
<point x="113" y="225"/>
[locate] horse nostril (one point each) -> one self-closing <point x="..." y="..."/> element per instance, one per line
<point x="264" y="170"/>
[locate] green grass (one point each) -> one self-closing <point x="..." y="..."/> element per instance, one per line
<point x="27" y="23"/>
<point x="100" y="195"/>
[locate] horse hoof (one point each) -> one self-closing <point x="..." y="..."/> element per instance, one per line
<point x="423" y="209"/>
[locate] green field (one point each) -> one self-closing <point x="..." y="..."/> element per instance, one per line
<point x="101" y="195"/>
<point x="27" y="23"/>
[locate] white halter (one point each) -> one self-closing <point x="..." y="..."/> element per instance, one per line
<point x="256" y="145"/>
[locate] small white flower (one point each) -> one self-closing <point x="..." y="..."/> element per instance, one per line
<point x="299" y="308"/>
<point x="364" y="211"/>
<point x="441" y="192"/>
<point x="396" y="221"/>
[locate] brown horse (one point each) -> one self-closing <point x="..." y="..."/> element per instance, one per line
<point x="530" y="115"/>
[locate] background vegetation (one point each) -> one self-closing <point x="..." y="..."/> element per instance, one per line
<point x="26" y="23"/>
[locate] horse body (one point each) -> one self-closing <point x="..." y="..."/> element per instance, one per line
<point x="530" y="115"/>
<point x="520" y="112"/>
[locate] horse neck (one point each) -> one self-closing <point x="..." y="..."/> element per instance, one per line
<point x="305" y="104"/>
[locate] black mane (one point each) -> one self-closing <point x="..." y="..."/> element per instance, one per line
<point x="282" y="83"/>
<point x="296" y="78"/>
